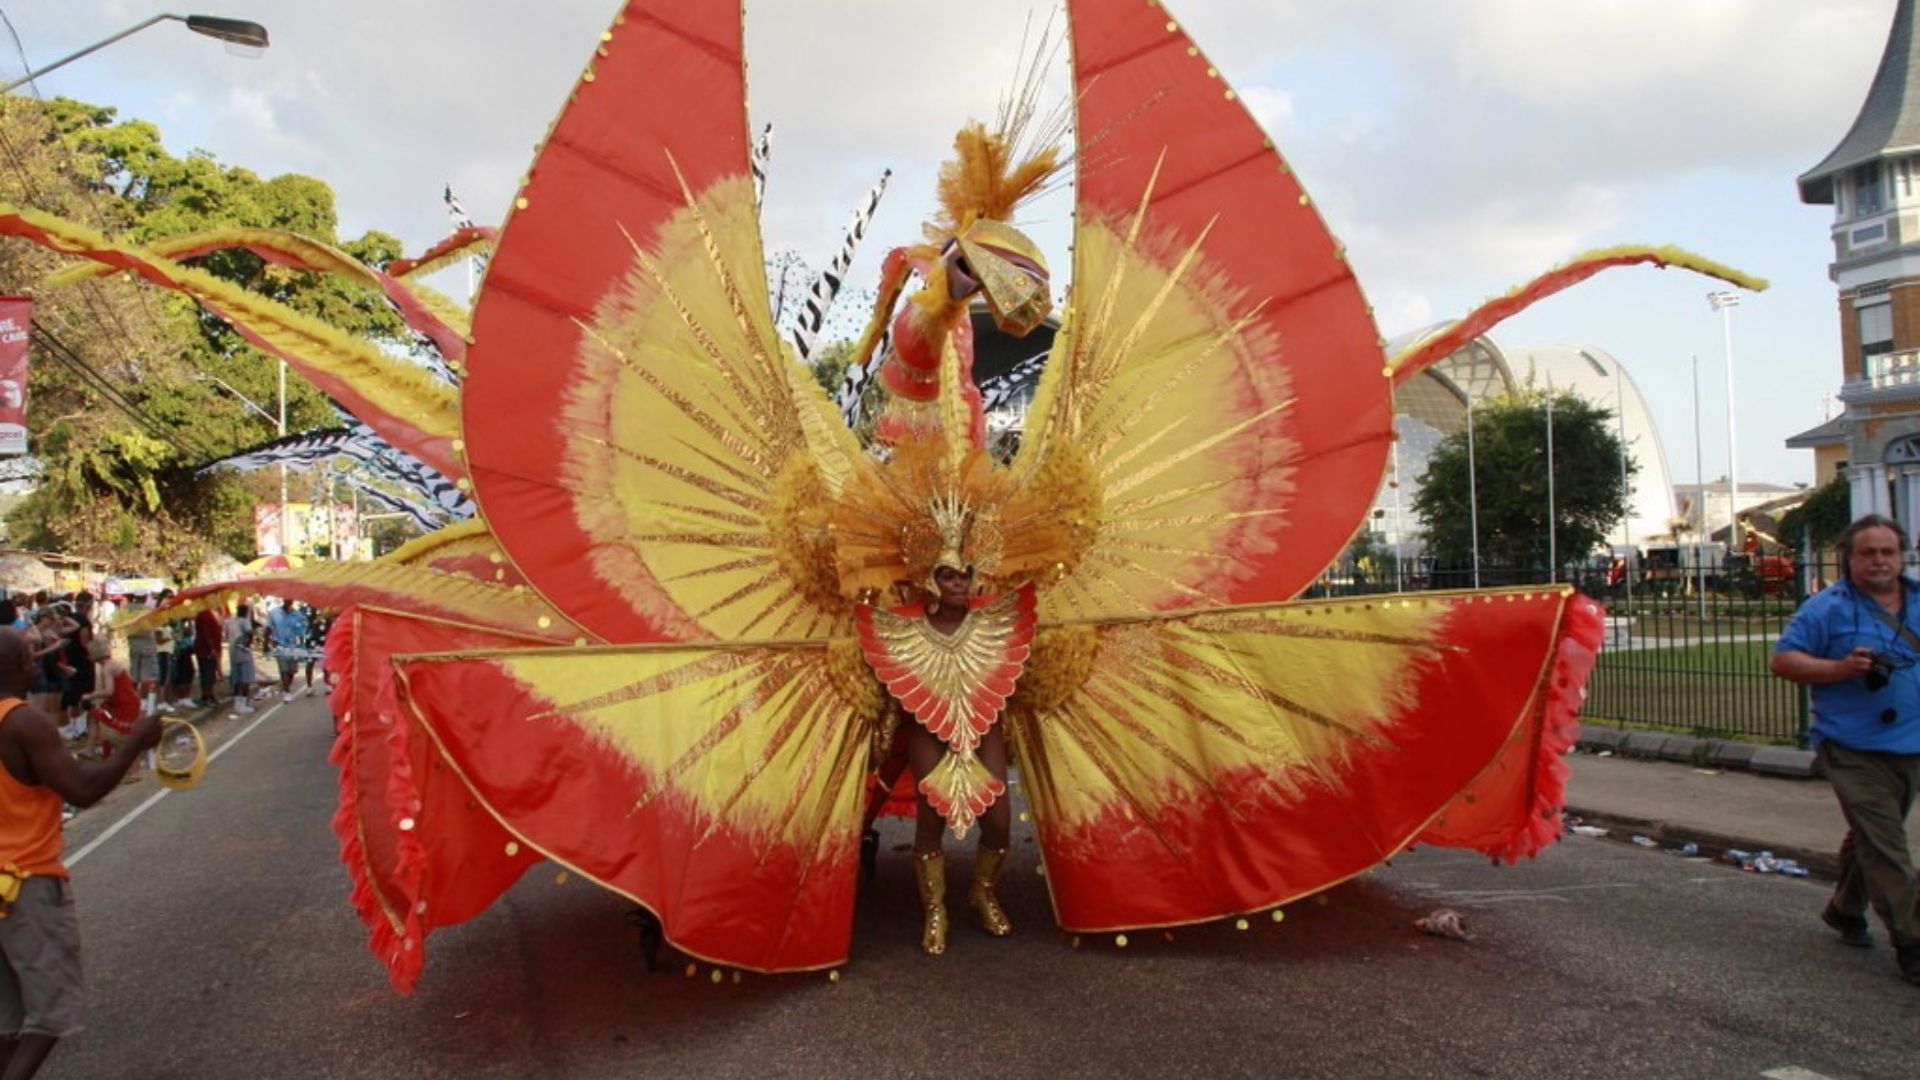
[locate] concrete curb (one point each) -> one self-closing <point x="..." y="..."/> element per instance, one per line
<point x="1689" y="750"/>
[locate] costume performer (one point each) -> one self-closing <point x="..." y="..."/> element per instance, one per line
<point x="660" y="656"/>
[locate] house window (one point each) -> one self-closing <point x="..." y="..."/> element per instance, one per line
<point x="1876" y="332"/>
<point x="1866" y="189"/>
<point x="1903" y="170"/>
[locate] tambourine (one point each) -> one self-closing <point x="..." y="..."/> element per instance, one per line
<point x="181" y="758"/>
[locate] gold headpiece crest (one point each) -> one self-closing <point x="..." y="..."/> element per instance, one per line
<point x="900" y="519"/>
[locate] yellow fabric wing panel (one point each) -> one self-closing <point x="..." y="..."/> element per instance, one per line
<point x="1171" y="707"/>
<point x="1165" y="393"/>
<point x="690" y="414"/>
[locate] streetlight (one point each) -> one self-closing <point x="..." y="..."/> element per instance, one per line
<point x="232" y="31"/>
<point x="1724" y="302"/>
<point x="1473" y="494"/>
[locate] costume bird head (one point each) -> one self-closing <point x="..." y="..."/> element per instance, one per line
<point x="979" y="190"/>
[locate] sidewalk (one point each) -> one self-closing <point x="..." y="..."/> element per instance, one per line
<point x="1677" y="804"/>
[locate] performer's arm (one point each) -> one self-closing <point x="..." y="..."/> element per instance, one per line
<point x="80" y="783"/>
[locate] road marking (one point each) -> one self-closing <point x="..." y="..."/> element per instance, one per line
<point x="114" y="829"/>
<point x="1794" y="1072"/>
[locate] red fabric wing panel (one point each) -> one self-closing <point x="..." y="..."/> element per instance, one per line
<point x="420" y="850"/>
<point x="724" y="894"/>
<point x="1507" y="676"/>
<point x="1148" y="98"/>
<point x="665" y="88"/>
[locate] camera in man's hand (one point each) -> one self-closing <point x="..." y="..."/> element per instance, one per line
<point x="1879" y="669"/>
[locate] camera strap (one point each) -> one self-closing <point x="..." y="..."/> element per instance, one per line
<point x="1906" y="634"/>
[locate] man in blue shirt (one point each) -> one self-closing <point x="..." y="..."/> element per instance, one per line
<point x="1857" y="644"/>
<point x="287" y="626"/>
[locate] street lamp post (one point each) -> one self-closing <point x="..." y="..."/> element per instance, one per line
<point x="232" y="31"/>
<point x="1724" y="302"/>
<point x="1473" y="497"/>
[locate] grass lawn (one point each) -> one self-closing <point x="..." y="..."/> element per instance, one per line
<point x="1719" y="657"/>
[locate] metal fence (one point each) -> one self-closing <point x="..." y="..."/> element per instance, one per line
<point x="1686" y="648"/>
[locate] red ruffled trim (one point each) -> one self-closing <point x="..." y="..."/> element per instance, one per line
<point x="401" y="951"/>
<point x="1557" y="729"/>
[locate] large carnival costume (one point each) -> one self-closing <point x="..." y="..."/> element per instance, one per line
<point x="664" y="654"/>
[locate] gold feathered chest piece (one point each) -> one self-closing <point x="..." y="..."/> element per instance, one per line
<point x="895" y="520"/>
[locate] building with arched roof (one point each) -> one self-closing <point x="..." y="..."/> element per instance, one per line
<point x="1434" y="405"/>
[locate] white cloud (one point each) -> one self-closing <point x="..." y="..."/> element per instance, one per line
<point x="1457" y="147"/>
<point x="1270" y="105"/>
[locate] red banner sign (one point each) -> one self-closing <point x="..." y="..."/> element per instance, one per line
<point x="16" y="323"/>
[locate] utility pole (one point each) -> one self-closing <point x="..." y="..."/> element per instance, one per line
<point x="1724" y="302"/>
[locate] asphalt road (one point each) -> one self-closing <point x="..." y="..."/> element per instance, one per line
<point x="219" y="944"/>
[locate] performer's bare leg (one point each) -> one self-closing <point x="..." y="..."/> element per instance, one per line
<point x="924" y="751"/>
<point x="996" y="829"/>
<point x="22" y="1057"/>
<point x="996" y="823"/>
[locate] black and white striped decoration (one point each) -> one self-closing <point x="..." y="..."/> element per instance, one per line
<point x="305" y="448"/>
<point x="827" y="285"/>
<point x="854" y="386"/>
<point x="762" y="150"/>
<point x="359" y="443"/>
<point x="419" y="513"/>
<point x="463" y="220"/>
<point x="1002" y="388"/>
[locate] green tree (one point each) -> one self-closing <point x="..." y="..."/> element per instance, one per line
<point x="123" y="410"/>
<point x="829" y="364"/>
<point x="1590" y="490"/>
<point x="1822" y="518"/>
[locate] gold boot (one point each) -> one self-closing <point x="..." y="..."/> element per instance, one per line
<point x="986" y="867"/>
<point x="930" y="873"/>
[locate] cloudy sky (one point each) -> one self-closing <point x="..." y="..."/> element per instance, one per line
<point x="1456" y="146"/>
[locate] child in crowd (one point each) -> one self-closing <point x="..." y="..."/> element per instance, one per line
<point x="113" y="706"/>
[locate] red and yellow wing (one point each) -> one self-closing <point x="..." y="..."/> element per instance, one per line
<point x="720" y="786"/>
<point x="408" y="407"/>
<point x="417" y="588"/>
<point x="1194" y="766"/>
<point x="467" y="549"/>
<point x="630" y="412"/>
<point x="421" y="851"/>
<point x="1218" y="364"/>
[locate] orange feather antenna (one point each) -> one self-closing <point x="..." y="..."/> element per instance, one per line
<point x="1424" y="354"/>
<point x="421" y="310"/>
<point x="463" y="241"/>
<point x="408" y="407"/>
<point x="983" y="181"/>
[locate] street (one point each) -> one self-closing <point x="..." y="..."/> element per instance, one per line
<point x="219" y="943"/>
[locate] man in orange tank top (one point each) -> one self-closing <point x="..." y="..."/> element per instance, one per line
<point x="40" y="987"/>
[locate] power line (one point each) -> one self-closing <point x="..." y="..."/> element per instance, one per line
<point x="105" y="388"/>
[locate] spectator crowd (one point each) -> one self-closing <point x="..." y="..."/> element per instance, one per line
<point x="95" y="681"/>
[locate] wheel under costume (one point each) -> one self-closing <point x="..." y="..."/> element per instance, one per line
<point x="665" y="652"/>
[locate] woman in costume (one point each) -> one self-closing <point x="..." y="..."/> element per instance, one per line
<point x="917" y="517"/>
<point x="950" y="618"/>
